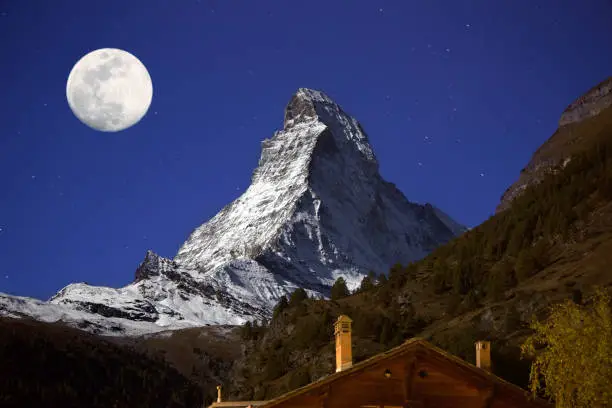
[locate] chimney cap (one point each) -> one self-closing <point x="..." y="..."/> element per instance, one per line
<point x="344" y="318"/>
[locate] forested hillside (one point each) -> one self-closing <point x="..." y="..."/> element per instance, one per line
<point x="553" y="243"/>
<point x="46" y="365"/>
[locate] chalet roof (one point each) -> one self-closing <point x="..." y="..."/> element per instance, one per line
<point x="414" y="345"/>
<point x="236" y="404"/>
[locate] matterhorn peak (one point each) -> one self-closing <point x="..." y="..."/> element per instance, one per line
<point x="317" y="209"/>
<point x="321" y="151"/>
<point x="304" y="104"/>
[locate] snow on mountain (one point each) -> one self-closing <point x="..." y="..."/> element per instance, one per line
<point x="317" y="208"/>
<point x="25" y="307"/>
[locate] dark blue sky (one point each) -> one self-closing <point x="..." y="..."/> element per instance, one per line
<point x="462" y="87"/>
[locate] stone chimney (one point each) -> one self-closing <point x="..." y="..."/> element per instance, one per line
<point x="483" y="355"/>
<point x="344" y="354"/>
<point x="218" y="393"/>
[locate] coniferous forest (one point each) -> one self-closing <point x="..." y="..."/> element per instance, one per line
<point x="58" y="366"/>
<point x="479" y="273"/>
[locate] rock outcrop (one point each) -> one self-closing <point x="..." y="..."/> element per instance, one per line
<point x="596" y="104"/>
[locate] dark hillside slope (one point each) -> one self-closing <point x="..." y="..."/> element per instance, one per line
<point x="576" y="130"/>
<point x="46" y="365"/>
<point x="553" y="243"/>
<point x="202" y="354"/>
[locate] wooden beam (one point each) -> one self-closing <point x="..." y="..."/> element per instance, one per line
<point x="486" y="396"/>
<point x="409" y="371"/>
<point x="324" y="397"/>
<point x="452" y="369"/>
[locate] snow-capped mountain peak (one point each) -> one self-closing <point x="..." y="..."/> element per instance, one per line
<point x="317" y="208"/>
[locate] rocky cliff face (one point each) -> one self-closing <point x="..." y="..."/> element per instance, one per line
<point x="565" y="141"/>
<point x="588" y="105"/>
<point x="317" y="208"/>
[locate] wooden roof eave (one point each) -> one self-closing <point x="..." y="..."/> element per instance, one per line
<point x="422" y="348"/>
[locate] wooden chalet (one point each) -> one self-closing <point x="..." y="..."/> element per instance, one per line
<point x="414" y="374"/>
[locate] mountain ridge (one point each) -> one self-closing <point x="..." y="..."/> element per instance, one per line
<point x="317" y="208"/>
<point x="562" y="144"/>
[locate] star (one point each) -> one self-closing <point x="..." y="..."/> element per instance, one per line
<point x="1" y="229"/>
<point x="33" y="177"/>
<point x="482" y="174"/>
<point x="448" y="50"/>
<point x="44" y="104"/>
<point x="5" y="276"/>
<point x="454" y="109"/>
<point x="457" y="140"/>
<point x="468" y="25"/>
<point x="4" y="14"/>
<point x="428" y="45"/>
<point x="380" y="10"/>
<point x="155" y="113"/>
<point x="420" y="164"/>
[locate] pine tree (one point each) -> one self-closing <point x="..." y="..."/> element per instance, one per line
<point x="247" y="331"/>
<point x="280" y="306"/>
<point x="366" y="284"/>
<point x="339" y="289"/>
<point x="525" y="265"/>
<point x="382" y="279"/>
<point x="501" y="278"/>
<point x="298" y="296"/>
<point x="385" y="333"/>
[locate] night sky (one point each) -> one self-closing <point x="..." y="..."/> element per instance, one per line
<point x="454" y="95"/>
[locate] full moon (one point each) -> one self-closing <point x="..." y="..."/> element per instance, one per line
<point x="109" y="90"/>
